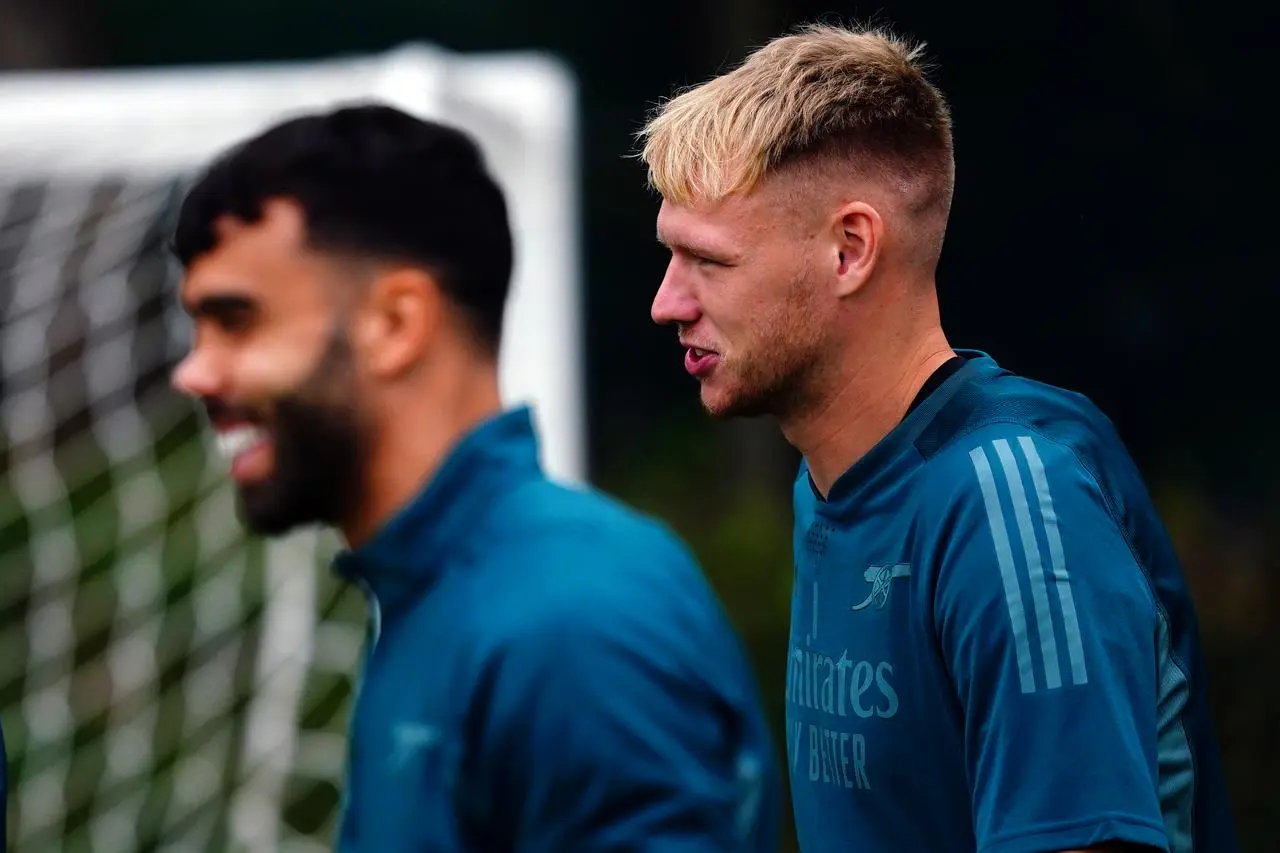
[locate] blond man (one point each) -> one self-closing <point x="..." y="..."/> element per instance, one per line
<point x="992" y="645"/>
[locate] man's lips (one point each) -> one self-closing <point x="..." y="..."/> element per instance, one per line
<point x="700" y="361"/>
<point x="245" y="446"/>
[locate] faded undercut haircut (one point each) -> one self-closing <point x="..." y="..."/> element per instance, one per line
<point x="827" y="96"/>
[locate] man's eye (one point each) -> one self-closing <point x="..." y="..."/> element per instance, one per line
<point x="235" y="322"/>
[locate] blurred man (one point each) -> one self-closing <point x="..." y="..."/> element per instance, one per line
<point x="548" y="671"/>
<point x="992" y="646"/>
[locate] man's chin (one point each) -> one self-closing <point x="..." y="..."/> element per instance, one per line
<point x="268" y="515"/>
<point x="723" y="405"/>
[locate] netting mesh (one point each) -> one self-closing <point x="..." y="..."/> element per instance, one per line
<point x="167" y="682"/>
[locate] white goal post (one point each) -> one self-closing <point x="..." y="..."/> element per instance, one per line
<point x="168" y="683"/>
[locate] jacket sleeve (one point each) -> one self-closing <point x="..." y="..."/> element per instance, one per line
<point x="600" y="734"/>
<point x="1050" y="632"/>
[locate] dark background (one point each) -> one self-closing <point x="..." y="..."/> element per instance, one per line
<point x="1114" y="202"/>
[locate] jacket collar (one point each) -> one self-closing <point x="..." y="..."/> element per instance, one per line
<point x="439" y="525"/>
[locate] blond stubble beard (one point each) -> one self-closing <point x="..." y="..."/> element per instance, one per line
<point x="780" y="371"/>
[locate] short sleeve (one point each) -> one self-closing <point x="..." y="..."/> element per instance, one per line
<point x="1050" y="633"/>
<point x="599" y="735"/>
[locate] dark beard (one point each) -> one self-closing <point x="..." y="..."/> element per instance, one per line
<point x="320" y="452"/>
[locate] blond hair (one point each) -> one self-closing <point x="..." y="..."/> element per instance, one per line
<point x="861" y="96"/>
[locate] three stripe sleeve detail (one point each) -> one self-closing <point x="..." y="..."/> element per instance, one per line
<point x="1024" y="528"/>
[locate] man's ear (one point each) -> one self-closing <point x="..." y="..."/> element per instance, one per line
<point x="397" y="321"/>
<point x="859" y="233"/>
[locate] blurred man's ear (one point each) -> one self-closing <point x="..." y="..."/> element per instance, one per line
<point x="397" y="320"/>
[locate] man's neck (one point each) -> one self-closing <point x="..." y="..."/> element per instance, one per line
<point x="868" y="399"/>
<point x="418" y="431"/>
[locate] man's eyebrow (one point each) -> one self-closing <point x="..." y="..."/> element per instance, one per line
<point x="219" y="305"/>
<point x="700" y="249"/>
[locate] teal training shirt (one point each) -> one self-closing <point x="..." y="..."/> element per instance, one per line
<point x="992" y="645"/>
<point x="549" y="671"/>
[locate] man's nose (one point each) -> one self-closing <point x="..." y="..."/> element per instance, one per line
<point x="674" y="302"/>
<point x="197" y="375"/>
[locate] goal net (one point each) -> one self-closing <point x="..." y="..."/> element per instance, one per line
<point x="166" y="681"/>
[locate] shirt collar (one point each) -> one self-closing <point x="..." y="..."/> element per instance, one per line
<point x="885" y="461"/>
